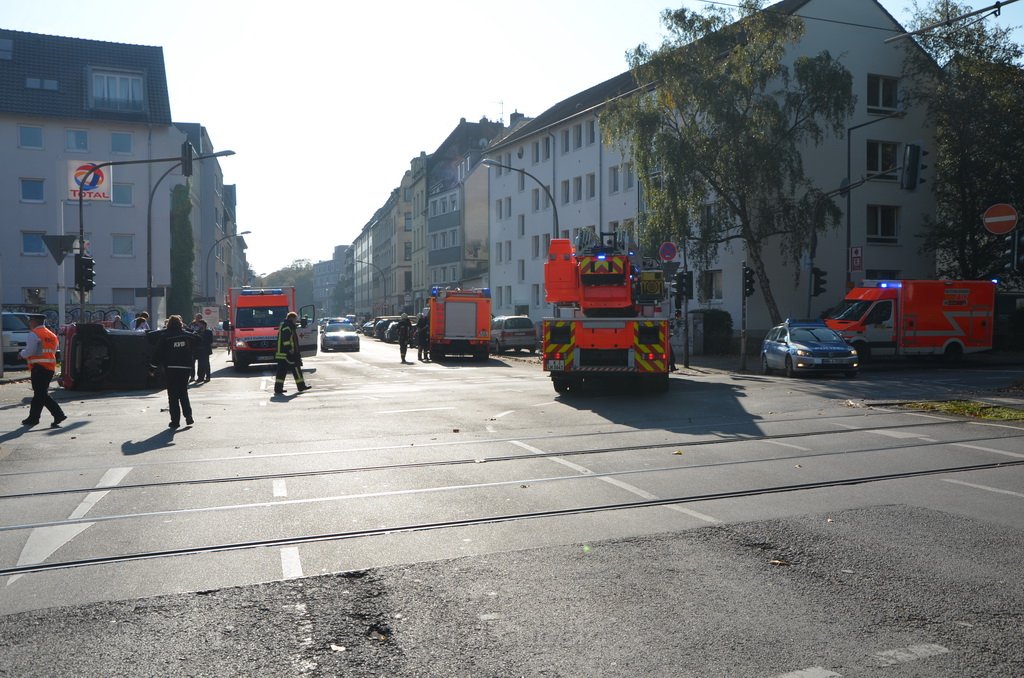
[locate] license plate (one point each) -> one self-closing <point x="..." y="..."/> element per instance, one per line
<point x="556" y="365"/>
<point x="832" y="361"/>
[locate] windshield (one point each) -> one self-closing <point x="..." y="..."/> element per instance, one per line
<point x="518" y="324"/>
<point x="15" y="323"/>
<point x="850" y="310"/>
<point x="817" y="334"/>
<point x="272" y="316"/>
<point x="340" y="327"/>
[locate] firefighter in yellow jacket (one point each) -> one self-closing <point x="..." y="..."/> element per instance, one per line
<point x="288" y="357"/>
<point x="41" y="354"/>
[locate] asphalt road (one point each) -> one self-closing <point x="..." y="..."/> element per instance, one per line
<point x="462" y="519"/>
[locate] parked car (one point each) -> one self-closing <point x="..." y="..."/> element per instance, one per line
<point x="807" y="346"/>
<point x="340" y="336"/>
<point x="367" y="327"/>
<point x="15" y="336"/>
<point x="513" y="332"/>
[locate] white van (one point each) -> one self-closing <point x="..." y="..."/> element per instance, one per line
<point x="15" y="336"/>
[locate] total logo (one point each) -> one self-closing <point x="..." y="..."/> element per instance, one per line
<point x="88" y="182"/>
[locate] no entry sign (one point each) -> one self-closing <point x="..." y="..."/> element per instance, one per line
<point x="1000" y="218"/>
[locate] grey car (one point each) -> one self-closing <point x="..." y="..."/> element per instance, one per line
<point x="513" y="332"/>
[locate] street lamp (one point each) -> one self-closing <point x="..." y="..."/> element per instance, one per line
<point x="551" y="198"/>
<point x="383" y="280"/>
<point x="849" y="243"/>
<point x="206" y="269"/>
<point x="149" y="226"/>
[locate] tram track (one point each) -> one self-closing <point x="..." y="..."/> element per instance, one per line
<point x="471" y="460"/>
<point x="494" y="519"/>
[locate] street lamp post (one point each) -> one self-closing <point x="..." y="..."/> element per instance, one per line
<point x="849" y="242"/>
<point x="383" y="280"/>
<point x="551" y="198"/>
<point x="206" y="269"/>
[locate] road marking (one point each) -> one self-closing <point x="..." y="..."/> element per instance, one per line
<point x="988" y="423"/>
<point x="280" y="490"/>
<point x="44" y="541"/>
<point x="908" y="654"/>
<point x="813" y="672"/>
<point x="421" y="409"/>
<point x="900" y="435"/>
<point x="989" y="449"/>
<point x="503" y="414"/>
<point x="847" y="426"/>
<point x="583" y="470"/>
<point x="291" y="565"/>
<point x="782" y="444"/>
<point x="983" y="487"/>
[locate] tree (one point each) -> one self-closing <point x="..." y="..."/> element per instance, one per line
<point x="717" y="131"/>
<point x="973" y="86"/>
<point x="298" y="274"/>
<point x="179" y="297"/>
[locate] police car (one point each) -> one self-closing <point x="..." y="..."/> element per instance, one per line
<point x="807" y="346"/>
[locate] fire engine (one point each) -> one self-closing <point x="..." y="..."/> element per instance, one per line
<point x="460" y="322"/>
<point x="917" y="317"/>
<point x="256" y="314"/>
<point x="610" y="321"/>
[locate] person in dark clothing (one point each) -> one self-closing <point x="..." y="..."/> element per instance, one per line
<point x="404" y="332"/>
<point x="203" y="352"/>
<point x="288" y="356"/>
<point x="41" y="354"/>
<point x="423" y="337"/>
<point x="175" y="352"/>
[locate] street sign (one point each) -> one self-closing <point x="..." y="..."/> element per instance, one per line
<point x="1000" y="218"/>
<point x="59" y="245"/>
<point x="856" y="259"/>
<point x="667" y="251"/>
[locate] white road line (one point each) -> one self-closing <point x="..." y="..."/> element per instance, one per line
<point x="291" y="565"/>
<point x="110" y="478"/>
<point x="847" y="426"/>
<point x="813" y="672"/>
<point x="503" y="414"/>
<point x="280" y="490"/>
<point x="790" y="445"/>
<point x="421" y="409"/>
<point x="984" y="487"/>
<point x="900" y="435"/>
<point x="989" y="449"/>
<point x="583" y="470"/>
<point x="988" y="423"/>
<point x="903" y="655"/>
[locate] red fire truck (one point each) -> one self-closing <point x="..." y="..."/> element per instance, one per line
<point x="610" y="322"/>
<point x="917" y="317"/>
<point x="460" y="323"/>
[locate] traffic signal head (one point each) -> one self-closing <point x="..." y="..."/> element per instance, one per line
<point x="684" y="287"/>
<point x="910" y="175"/>
<point x="186" y="159"/>
<point x="748" y="281"/>
<point x="88" y="274"/>
<point x="1015" y="250"/>
<point x="818" y="281"/>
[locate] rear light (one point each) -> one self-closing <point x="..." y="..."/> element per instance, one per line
<point x="555" y="356"/>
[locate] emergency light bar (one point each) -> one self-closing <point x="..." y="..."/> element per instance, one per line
<point x="276" y="290"/>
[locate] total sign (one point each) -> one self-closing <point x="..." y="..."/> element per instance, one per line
<point x="86" y="182"/>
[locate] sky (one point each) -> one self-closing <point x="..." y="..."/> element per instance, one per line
<point x="325" y="102"/>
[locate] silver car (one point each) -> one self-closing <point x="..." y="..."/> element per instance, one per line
<point x="513" y="332"/>
<point x="339" y="337"/>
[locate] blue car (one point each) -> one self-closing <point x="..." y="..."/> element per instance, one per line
<point x="807" y="346"/>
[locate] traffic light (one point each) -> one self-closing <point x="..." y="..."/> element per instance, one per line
<point x="1014" y="252"/>
<point x="910" y="175"/>
<point x="85" y="275"/>
<point x="186" y="159"/>
<point x="684" y="287"/>
<point x="748" y="281"/>
<point x="818" y="281"/>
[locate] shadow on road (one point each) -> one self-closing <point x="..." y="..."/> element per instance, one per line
<point x="164" y="438"/>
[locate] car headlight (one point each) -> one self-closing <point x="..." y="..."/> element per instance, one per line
<point x="853" y="352"/>
<point x="239" y="343"/>
<point x="803" y="353"/>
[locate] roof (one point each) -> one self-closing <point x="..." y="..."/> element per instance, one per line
<point x="60" y="68"/>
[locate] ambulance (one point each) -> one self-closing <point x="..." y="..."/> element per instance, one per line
<point x="256" y="314"/>
<point x="947" y="318"/>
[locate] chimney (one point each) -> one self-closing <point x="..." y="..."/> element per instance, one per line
<point x="515" y="118"/>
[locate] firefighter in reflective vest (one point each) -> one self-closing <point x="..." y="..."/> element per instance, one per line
<point x="41" y="353"/>
<point x="288" y="357"/>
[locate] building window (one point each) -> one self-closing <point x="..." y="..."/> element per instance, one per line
<point x="577" y="189"/>
<point x="883" y="224"/>
<point x="546" y="243"/>
<point x="123" y="296"/>
<point x="882" y="158"/>
<point x="433" y="208"/>
<point x="547" y="196"/>
<point x="30" y="137"/>
<point x="883" y="94"/>
<point x="38" y="83"/>
<point x="521" y="270"/>
<point x="565" y="141"/>
<point x="6" y="49"/>
<point x="76" y="140"/>
<point x="32" y="190"/>
<point x="508" y="207"/>
<point x="497" y="297"/>
<point x="535" y="244"/>
<point x="535" y="293"/>
<point x="408" y="251"/>
<point x="629" y="178"/>
<point x="497" y="209"/>
<point x="122" y="245"/>
<point x="547" y="148"/>
<point x="454" y="200"/>
<point x="613" y="179"/>
<point x="123" y="195"/>
<point x="536" y="152"/>
<point x="444" y="205"/>
<point x="32" y="243"/>
<point x="711" y="285"/>
<point x="34" y="296"/>
<point x="522" y="182"/>
<point x="591" y="185"/>
<point x="521" y="225"/>
<point x="408" y="221"/>
<point x="117" y="91"/>
<point x="565" y="191"/>
<point x="536" y="200"/>
<point x="121" y="143"/>
<point x="508" y="250"/>
<point x="577" y="135"/>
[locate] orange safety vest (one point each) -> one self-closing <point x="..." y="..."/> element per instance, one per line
<point x="47" y="359"/>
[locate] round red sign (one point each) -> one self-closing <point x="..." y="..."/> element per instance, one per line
<point x="999" y="218"/>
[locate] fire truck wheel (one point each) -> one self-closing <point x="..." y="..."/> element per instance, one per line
<point x="436" y="354"/>
<point x="561" y="385"/>
<point x="661" y="383"/>
<point x="240" y="364"/>
<point x="954" y="353"/>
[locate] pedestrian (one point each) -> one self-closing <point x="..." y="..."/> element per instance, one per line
<point x="141" y="322"/>
<point x="423" y="337"/>
<point x="174" y="353"/>
<point x="41" y="354"/>
<point x="404" y="331"/>
<point x="116" y="323"/>
<point x="193" y="327"/>
<point x="204" y="350"/>
<point x="288" y="356"/>
<point x="673" y="328"/>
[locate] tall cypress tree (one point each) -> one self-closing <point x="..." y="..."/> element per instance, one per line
<point x="179" y="298"/>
